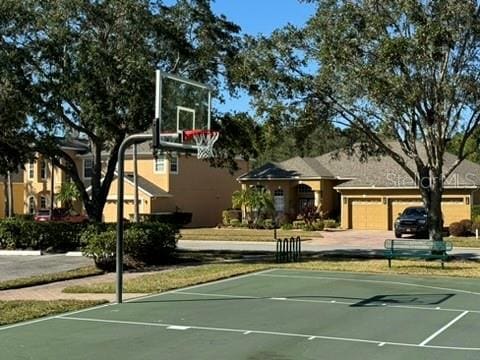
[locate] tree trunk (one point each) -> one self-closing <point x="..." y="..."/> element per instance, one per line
<point x="432" y="197"/>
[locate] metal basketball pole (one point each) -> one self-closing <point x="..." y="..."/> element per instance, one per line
<point x="130" y="140"/>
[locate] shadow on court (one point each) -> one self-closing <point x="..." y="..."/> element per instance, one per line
<point x="408" y="299"/>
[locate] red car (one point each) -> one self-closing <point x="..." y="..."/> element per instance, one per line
<point x="60" y="214"/>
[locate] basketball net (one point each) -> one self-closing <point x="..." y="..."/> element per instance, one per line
<point x="204" y="139"/>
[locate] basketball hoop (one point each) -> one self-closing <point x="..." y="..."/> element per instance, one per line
<point x="204" y="139"/>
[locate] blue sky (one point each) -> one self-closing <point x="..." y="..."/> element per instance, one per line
<point x="259" y="17"/>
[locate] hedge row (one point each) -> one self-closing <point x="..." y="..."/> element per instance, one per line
<point x="52" y="236"/>
<point x="149" y="243"/>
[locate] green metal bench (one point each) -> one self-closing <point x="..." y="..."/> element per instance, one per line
<point x="412" y="248"/>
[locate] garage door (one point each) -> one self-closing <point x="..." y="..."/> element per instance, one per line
<point x="455" y="209"/>
<point x="397" y="207"/>
<point x="369" y="215"/>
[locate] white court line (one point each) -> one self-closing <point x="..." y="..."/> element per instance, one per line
<point x="369" y="281"/>
<point x="30" y="322"/>
<point x="441" y="330"/>
<point x="274" y="333"/>
<point x="334" y="302"/>
<point x="200" y="285"/>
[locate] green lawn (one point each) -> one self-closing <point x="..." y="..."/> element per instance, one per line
<point x="178" y="278"/>
<point x="242" y="234"/>
<point x="22" y="310"/>
<point x="49" y="278"/>
<point x="464" y="241"/>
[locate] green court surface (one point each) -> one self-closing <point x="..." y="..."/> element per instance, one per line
<point x="275" y="314"/>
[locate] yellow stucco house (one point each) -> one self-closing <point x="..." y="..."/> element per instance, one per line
<point x="176" y="182"/>
<point x="363" y="195"/>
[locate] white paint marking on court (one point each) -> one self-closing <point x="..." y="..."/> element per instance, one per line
<point x="441" y="330"/>
<point x="408" y="307"/>
<point x="50" y="317"/>
<point x="247" y="332"/>
<point x="25" y="323"/>
<point x="216" y="295"/>
<point x="279" y="298"/>
<point x="438" y="308"/>
<point x="199" y="285"/>
<point x="274" y="333"/>
<point x="381" y="344"/>
<point x="177" y="327"/>
<point x="369" y="281"/>
<point x="312" y="338"/>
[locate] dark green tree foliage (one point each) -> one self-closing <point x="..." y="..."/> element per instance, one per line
<point x="15" y="138"/>
<point x="401" y="69"/>
<point x="93" y="62"/>
<point x="406" y="67"/>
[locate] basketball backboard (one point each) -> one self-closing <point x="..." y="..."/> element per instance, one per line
<point x="180" y="104"/>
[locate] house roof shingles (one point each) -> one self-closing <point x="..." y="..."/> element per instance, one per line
<point x="377" y="172"/>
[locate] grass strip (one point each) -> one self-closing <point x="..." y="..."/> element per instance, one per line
<point x="21" y="310"/>
<point x="171" y="279"/>
<point x="187" y="276"/>
<point x="470" y="242"/>
<point x="233" y="234"/>
<point x="49" y="278"/>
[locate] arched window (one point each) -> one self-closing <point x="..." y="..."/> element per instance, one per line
<point x="31" y="205"/>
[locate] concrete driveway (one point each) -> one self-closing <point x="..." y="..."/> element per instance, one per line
<point x="347" y="242"/>
<point x="14" y="267"/>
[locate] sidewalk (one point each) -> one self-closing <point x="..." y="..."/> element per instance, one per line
<point x="53" y="291"/>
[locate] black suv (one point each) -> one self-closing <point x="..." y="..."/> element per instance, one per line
<point x="413" y="220"/>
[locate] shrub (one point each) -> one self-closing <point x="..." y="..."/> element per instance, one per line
<point x="287" y="226"/>
<point x="231" y="214"/>
<point x="467" y="226"/>
<point x="476" y="213"/>
<point x="235" y="223"/>
<point x="298" y="224"/>
<point x="151" y="243"/>
<point x="268" y="224"/>
<point x="330" y="224"/>
<point x="456" y="229"/>
<point x="101" y="246"/>
<point x="24" y="234"/>
<point x="147" y="243"/>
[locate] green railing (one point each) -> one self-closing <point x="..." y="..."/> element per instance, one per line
<point x="289" y="250"/>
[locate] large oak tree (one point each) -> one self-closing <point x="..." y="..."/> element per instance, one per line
<point x="92" y="66"/>
<point x="401" y="69"/>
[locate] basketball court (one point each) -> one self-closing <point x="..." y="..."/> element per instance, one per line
<point x="275" y="314"/>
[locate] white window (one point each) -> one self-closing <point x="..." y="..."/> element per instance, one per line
<point x="159" y="164"/>
<point x="31" y="170"/>
<point x="279" y="201"/>
<point x="160" y="161"/>
<point x="44" y="202"/>
<point x="31" y="205"/>
<point x="87" y="168"/>
<point x="43" y="169"/>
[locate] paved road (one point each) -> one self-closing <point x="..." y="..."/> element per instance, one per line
<point x="14" y="267"/>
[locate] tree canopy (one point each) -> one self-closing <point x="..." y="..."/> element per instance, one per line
<point x="91" y="66"/>
<point x="406" y="70"/>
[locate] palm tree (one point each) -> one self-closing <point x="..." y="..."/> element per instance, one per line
<point x="68" y="194"/>
<point x="255" y="201"/>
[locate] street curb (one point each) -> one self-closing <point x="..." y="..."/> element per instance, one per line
<point x="20" y="252"/>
